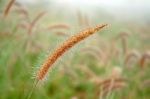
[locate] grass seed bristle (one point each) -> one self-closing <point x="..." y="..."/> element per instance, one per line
<point x="71" y="41"/>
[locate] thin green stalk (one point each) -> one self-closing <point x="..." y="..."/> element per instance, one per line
<point x="33" y="87"/>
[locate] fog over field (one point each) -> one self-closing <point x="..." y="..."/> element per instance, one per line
<point x="74" y="49"/>
<point x="126" y="9"/>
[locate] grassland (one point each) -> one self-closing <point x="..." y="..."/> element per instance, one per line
<point x="111" y="64"/>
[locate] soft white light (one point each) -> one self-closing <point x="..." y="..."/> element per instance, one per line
<point x="90" y="2"/>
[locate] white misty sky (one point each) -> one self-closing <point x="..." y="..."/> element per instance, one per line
<point x="106" y="4"/>
<point x="119" y="8"/>
<point x="92" y="2"/>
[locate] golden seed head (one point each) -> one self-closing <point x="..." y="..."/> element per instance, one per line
<point x="71" y="41"/>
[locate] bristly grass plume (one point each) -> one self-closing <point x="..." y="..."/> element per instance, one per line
<point x="66" y="45"/>
<point x="71" y="41"/>
<point x="8" y="7"/>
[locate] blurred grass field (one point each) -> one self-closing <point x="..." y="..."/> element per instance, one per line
<point x="87" y="71"/>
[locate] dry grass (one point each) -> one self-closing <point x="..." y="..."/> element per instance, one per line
<point x="143" y="59"/>
<point x="132" y="55"/>
<point x="123" y="36"/>
<point x="83" y="20"/>
<point x="32" y="24"/>
<point x="58" y="26"/>
<point x="20" y="10"/>
<point x="8" y="7"/>
<point x="63" y="48"/>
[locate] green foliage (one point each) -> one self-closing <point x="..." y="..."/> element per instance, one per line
<point x="19" y="51"/>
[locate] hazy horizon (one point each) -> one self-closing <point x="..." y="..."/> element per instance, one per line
<point x="129" y="10"/>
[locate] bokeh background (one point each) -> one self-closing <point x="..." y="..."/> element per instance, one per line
<point x="114" y="63"/>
